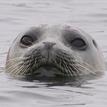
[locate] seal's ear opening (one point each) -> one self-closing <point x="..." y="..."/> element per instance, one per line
<point x="95" y="44"/>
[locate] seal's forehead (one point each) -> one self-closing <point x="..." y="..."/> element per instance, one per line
<point x="43" y="29"/>
<point x="52" y="29"/>
<point x="66" y="30"/>
<point x="56" y="30"/>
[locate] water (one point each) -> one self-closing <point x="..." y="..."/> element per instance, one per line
<point x="16" y="16"/>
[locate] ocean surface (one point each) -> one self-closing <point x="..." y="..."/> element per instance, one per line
<point x="18" y="15"/>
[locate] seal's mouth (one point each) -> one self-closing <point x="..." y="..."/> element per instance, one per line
<point x="48" y="66"/>
<point x="48" y="70"/>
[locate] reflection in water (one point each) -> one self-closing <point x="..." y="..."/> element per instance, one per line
<point x="69" y="81"/>
<point x="15" y="16"/>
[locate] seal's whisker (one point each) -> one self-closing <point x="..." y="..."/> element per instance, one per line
<point x="74" y="71"/>
<point x="17" y="72"/>
<point x="21" y="68"/>
<point x="14" y="59"/>
<point x="25" y="70"/>
<point x="67" y="71"/>
<point x="67" y="68"/>
<point x="77" y="70"/>
<point x="84" y="69"/>
<point x="22" y="71"/>
<point x="76" y="65"/>
<point x="83" y="63"/>
<point x="14" y="70"/>
<point x="10" y="66"/>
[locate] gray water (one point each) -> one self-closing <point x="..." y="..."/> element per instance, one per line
<point x="18" y="15"/>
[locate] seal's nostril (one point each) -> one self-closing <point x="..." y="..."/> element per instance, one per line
<point x="49" y="45"/>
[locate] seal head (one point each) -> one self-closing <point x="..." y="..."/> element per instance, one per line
<point x="54" y="51"/>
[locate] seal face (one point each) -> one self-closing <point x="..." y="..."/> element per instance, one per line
<point x="54" y="51"/>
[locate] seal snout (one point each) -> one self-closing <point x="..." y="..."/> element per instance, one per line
<point x="49" y="45"/>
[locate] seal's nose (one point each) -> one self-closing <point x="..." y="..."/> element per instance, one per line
<point x="49" y="45"/>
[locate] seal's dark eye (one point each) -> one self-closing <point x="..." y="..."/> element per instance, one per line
<point x="79" y="43"/>
<point x="27" y="40"/>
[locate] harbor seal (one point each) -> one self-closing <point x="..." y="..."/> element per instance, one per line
<point x="54" y="51"/>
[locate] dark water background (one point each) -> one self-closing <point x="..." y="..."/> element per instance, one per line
<point x="16" y="16"/>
